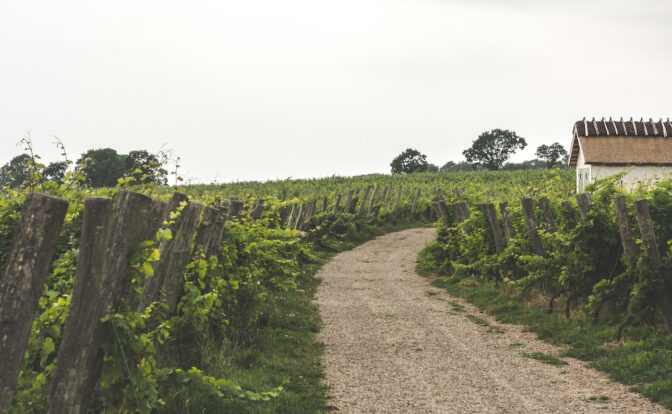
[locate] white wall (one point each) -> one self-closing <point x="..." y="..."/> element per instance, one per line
<point x="635" y="175"/>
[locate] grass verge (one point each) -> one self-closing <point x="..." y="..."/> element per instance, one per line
<point x="643" y="359"/>
<point x="285" y="351"/>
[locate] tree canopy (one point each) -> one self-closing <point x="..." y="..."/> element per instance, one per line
<point x="493" y="148"/>
<point x="409" y="161"/>
<point x="16" y="171"/>
<point x="551" y="154"/>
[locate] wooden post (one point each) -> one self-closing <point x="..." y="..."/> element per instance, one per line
<point x="78" y="363"/>
<point x="337" y="201"/>
<point x="299" y="216"/>
<point x="258" y="210"/>
<point x="173" y="279"/>
<point x="415" y="201"/>
<point x="462" y="213"/>
<point x="509" y="232"/>
<point x="109" y="235"/>
<point x="549" y="216"/>
<point x="584" y="204"/>
<point x="388" y="198"/>
<point x="217" y="233"/>
<point x="662" y="297"/>
<point x="566" y="204"/>
<point x="366" y="195"/>
<point x="396" y="204"/>
<point x="290" y="221"/>
<point x="384" y="196"/>
<point x="348" y="201"/>
<point x="444" y="212"/>
<point x="235" y="207"/>
<point x="26" y="268"/>
<point x="325" y="200"/>
<point x="490" y="213"/>
<point x="154" y="221"/>
<point x="531" y="223"/>
<point x="205" y="232"/>
<point x="373" y="199"/>
<point x="151" y="285"/>
<point x="646" y="229"/>
<point x="629" y="247"/>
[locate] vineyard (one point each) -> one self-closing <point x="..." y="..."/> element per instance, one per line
<point x="157" y="299"/>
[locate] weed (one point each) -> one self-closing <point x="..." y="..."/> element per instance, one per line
<point x="545" y="358"/>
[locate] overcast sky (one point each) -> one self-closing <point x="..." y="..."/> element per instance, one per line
<point x="248" y="89"/>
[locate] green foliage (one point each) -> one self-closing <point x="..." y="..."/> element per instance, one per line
<point x="551" y="154"/>
<point x="409" y="161"/>
<point x="493" y="148"/>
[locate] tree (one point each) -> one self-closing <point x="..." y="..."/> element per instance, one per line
<point x="551" y="154"/>
<point x="16" y="171"/>
<point x="409" y="161"/>
<point x="145" y="168"/>
<point x="451" y="166"/>
<point x="55" y="171"/>
<point x="101" y="167"/>
<point x="493" y="148"/>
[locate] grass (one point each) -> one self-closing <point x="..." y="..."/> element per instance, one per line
<point x="285" y="352"/>
<point x="545" y="358"/>
<point x="642" y="360"/>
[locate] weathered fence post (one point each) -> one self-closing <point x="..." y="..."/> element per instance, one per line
<point x="173" y="279"/>
<point x="490" y="213"/>
<point x="109" y="235"/>
<point x="584" y="204"/>
<point x="299" y="216"/>
<point x="290" y="221"/>
<point x="663" y="299"/>
<point x="362" y="207"/>
<point x="325" y="200"/>
<point x="151" y="285"/>
<point x="462" y="213"/>
<point x="444" y="212"/>
<point x="206" y="228"/>
<point x="26" y="270"/>
<point x="154" y="221"/>
<point x="396" y="203"/>
<point x="624" y="228"/>
<point x="217" y="233"/>
<point x="383" y="197"/>
<point x="348" y="201"/>
<point x="531" y="223"/>
<point x="337" y="201"/>
<point x="258" y="210"/>
<point x="389" y="197"/>
<point x="548" y="214"/>
<point x="509" y="232"/>
<point x="415" y="201"/>
<point x="235" y="207"/>
<point x="373" y="199"/>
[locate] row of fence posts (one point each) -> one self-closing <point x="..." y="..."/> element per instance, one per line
<point x="584" y="205"/>
<point x="297" y="216"/>
<point x="110" y="231"/>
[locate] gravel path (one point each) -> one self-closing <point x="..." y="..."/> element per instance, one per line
<point x="394" y="344"/>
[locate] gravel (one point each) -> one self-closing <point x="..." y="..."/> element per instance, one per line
<point x="395" y="345"/>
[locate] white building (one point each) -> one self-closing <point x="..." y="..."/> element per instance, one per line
<point x="603" y="148"/>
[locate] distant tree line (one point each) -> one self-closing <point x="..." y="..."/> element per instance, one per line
<point x="96" y="167"/>
<point x="489" y="152"/>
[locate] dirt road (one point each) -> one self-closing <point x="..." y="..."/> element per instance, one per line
<point x="397" y="345"/>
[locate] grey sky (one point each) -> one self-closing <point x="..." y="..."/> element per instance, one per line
<point x="303" y="88"/>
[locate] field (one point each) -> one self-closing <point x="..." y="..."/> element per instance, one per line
<point x="237" y="330"/>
